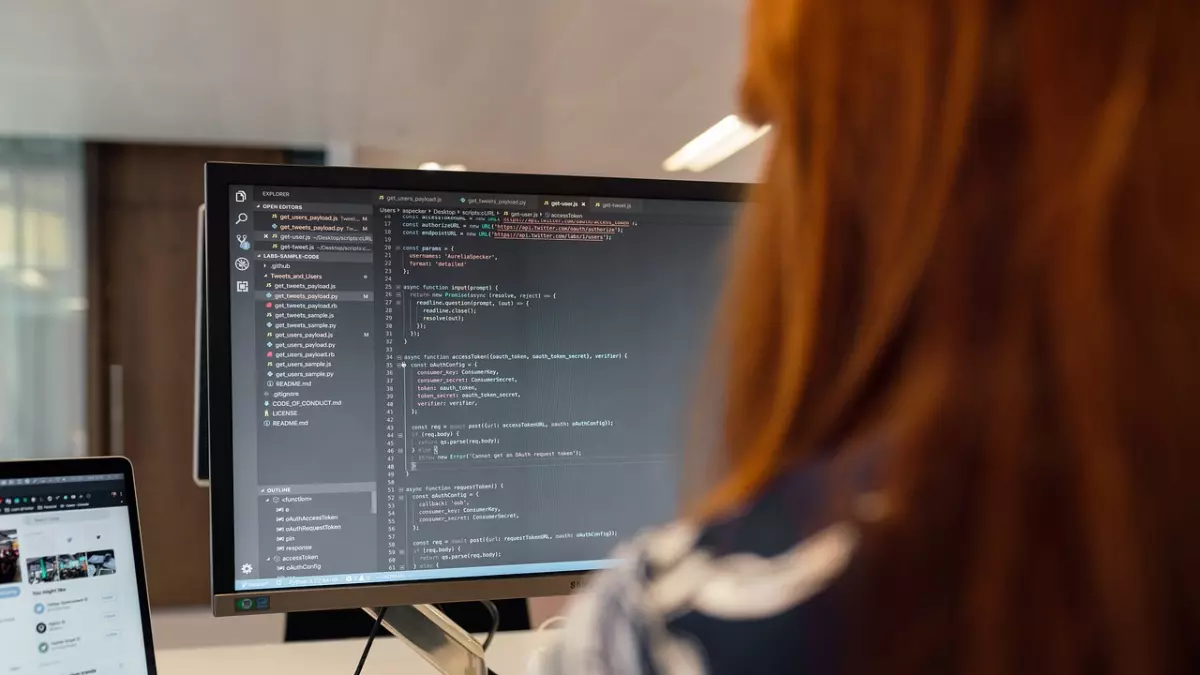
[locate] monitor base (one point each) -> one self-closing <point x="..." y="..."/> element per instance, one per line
<point x="433" y="635"/>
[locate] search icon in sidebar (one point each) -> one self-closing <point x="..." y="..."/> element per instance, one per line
<point x="241" y="219"/>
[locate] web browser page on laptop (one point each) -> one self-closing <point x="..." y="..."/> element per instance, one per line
<point x="68" y="587"/>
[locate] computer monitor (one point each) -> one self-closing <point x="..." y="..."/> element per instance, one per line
<point x="443" y="386"/>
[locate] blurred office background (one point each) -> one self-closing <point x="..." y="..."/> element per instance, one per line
<point x="109" y="108"/>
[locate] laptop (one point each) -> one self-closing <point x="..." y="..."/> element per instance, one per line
<point x="72" y="582"/>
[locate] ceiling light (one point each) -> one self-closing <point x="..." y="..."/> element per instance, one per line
<point x="434" y="166"/>
<point x="715" y="145"/>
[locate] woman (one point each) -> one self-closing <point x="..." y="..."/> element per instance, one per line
<point x="961" y="357"/>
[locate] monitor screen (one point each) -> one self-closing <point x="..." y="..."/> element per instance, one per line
<point x="69" y="598"/>
<point x="436" y="384"/>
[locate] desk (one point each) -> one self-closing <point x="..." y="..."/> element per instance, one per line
<point x="508" y="655"/>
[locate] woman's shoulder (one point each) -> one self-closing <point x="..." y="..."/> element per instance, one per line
<point x="751" y="592"/>
<point x="772" y="553"/>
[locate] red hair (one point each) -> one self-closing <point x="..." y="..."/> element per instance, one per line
<point x="977" y="243"/>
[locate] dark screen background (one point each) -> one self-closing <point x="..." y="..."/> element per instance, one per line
<point x="593" y="347"/>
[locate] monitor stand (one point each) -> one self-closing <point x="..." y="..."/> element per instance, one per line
<point x="433" y="635"/>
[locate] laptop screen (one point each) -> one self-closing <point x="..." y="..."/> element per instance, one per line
<point x="68" y="582"/>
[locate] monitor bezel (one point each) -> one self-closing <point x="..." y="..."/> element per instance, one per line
<point x="200" y="399"/>
<point x="218" y="178"/>
<point x="96" y="466"/>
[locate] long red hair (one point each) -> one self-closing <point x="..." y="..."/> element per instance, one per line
<point x="977" y="245"/>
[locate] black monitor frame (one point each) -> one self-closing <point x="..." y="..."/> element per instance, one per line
<point x="218" y="178"/>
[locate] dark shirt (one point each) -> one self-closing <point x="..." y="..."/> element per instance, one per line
<point x="758" y="592"/>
